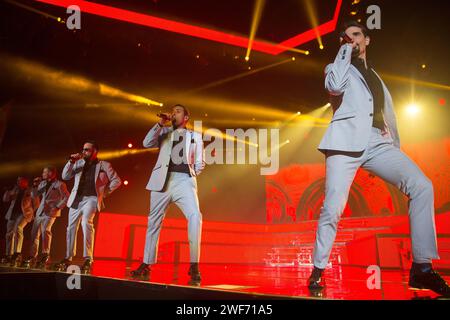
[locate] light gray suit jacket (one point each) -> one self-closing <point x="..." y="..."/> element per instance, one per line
<point x="54" y="200"/>
<point x="351" y="124"/>
<point x="29" y="203"/>
<point x="162" y="137"/>
<point x="106" y="179"/>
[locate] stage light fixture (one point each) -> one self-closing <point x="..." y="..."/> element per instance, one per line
<point x="413" y="109"/>
<point x="257" y="13"/>
<point x="313" y="19"/>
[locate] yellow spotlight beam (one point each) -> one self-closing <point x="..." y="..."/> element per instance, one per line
<point x="44" y="75"/>
<point x="257" y="111"/>
<point x="312" y="15"/>
<point x="35" y="166"/>
<point x="305" y="52"/>
<point x="299" y="133"/>
<point x="112" y="154"/>
<point x="225" y="136"/>
<point x="257" y="12"/>
<point x="29" y="8"/>
<point x="233" y="107"/>
<point x="117" y="93"/>
<point x="311" y="118"/>
<point x="147" y="117"/>
<point x="427" y="84"/>
<point x="260" y="124"/>
<point x="281" y="145"/>
<point x="302" y="120"/>
<point x="290" y="119"/>
<point x="238" y="76"/>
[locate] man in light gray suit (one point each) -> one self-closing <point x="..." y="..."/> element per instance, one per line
<point x="54" y="198"/>
<point x="363" y="133"/>
<point x="20" y="213"/>
<point x="173" y="179"/>
<point x="94" y="180"/>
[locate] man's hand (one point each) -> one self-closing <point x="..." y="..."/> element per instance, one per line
<point x="36" y="181"/>
<point x="75" y="157"/>
<point x="344" y="39"/>
<point x="106" y="193"/>
<point x="53" y="211"/>
<point x="165" y="117"/>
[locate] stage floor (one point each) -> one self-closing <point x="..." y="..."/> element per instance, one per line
<point x="343" y="282"/>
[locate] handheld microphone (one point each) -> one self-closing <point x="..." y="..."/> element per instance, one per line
<point x="163" y="116"/>
<point x="74" y="158"/>
<point x="345" y="38"/>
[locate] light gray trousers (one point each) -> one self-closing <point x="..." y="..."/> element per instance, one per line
<point x="14" y="234"/>
<point x="85" y="213"/>
<point x="42" y="227"/>
<point x="181" y="189"/>
<point x="383" y="159"/>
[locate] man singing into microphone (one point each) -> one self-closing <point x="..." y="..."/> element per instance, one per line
<point x="363" y="133"/>
<point x="94" y="180"/>
<point x="173" y="179"/>
<point x="54" y="198"/>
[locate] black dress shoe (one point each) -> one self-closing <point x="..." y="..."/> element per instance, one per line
<point x="42" y="261"/>
<point x="63" y="265"/>
<point x="87" y="266"/>
<point x="196" y="277"/>
<point x="316" y="281"/>
<point x="29" y="262"/>
<point x="142" y="272"/>
<point x="429" y="280"/>
<point x="16" y="259"/>
<point x="6" y="259"/>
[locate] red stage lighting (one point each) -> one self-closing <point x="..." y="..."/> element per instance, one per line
<point x="201" y="32"/>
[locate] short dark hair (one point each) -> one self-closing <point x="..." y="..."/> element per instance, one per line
<point x="353" y="23"/>
<point x="52" y="169"/>
<point x="185" y="110"/>
<point x="94" y="144"/>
